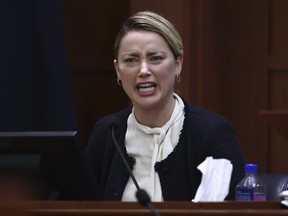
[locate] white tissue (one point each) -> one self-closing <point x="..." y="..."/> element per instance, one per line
<point x="215" y="182"/>
<point x="284" y="196"/>
<point x="284" y="202"/>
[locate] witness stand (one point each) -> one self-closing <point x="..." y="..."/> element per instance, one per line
<point x="89" y="208"/>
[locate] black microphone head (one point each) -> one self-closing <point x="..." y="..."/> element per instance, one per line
<point x="113" y="122"/>
<point x="143" y="197"/>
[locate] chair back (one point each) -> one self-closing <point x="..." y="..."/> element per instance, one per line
<point x="275" y="184"/>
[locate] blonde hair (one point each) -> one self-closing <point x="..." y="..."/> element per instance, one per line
<point x="152" y="22"/>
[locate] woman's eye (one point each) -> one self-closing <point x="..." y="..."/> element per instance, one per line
<point x="130" y="60"/>
<point x="156" y="58"/>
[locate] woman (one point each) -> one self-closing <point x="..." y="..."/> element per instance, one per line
<point x="163" y="137"/>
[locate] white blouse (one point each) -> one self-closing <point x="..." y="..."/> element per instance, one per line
<point x="149" y="145"/>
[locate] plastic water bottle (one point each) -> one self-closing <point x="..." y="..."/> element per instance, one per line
<point x="251" y="188"/>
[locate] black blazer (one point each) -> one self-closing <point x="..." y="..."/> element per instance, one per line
<point x="204" y="134"/>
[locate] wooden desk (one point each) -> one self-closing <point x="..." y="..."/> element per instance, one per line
<point x="87" y="208"/>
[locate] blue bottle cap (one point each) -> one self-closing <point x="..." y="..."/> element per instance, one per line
<point x="251" y="168"/>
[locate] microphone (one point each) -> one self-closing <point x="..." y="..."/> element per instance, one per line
<point x="141" y="195"/>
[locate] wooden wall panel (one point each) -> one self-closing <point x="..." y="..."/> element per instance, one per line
<point x="248" y="78"/>
<point x="278" y="79"/>
<point x="279" y="27"/>
<point x="90" y="30"/>
<point x="207" y="54"/>
<point x="278" y="100"/>
<point x="279" y="89"/>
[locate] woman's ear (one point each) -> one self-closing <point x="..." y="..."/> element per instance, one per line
<point x="116" y="66"/>
<point x="179" y="63"/>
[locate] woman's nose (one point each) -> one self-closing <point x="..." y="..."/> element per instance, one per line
<point x="144" y="70"/>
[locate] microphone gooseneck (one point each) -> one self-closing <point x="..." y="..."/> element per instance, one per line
<point x="124" y="159"/>
<point x="141" y="195"/>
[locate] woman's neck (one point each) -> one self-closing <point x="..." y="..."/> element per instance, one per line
<point x="155" y="117"/>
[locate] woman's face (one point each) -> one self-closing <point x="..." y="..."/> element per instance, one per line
<point x="147" y="68"/>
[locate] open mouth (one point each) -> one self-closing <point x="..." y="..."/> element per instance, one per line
<point x="146" y="87"/>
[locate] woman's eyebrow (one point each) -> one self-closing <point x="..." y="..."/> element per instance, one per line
<point x="132" y="54"/>
<point x="154" y="53"/>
